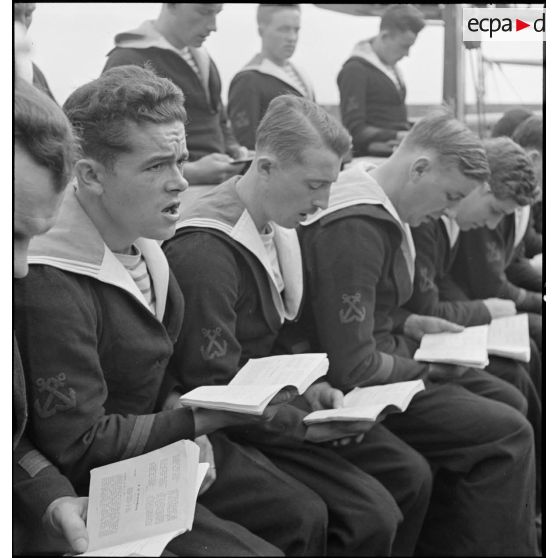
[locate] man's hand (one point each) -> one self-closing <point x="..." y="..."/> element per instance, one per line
<point x="416" y="326"/>
<point x="438" y="372"/>
<point x="66" y="516"/>
<point x="500" y="307"/>
<point x="209" y="420"/>
<point x="239" y="152"/>
<point x="211" y="169"/>
<point x="206" y="456"/>
<point x="322" y="396"/>
<point x="339" y="432"/>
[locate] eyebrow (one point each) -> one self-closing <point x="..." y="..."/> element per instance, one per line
<point x="165" y="157"/>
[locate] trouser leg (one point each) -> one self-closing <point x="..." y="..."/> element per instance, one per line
<point x="519" y="375"/>
<point x="252" y="491"/>
<point x="212" y="536"/>
<point x="363" y="516"/>
<point x="403" y="471"/>
<point x="482" y="453"/>
<point x="485" y="384"/>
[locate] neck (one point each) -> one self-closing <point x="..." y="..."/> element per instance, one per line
<point x="378" y="48"/>
<point x="114" y="237"/>
<point x="248" y="190"/>
<point x="391" y="177"/>
<point x="164" y="24"/>
<point x="270" y="56"/>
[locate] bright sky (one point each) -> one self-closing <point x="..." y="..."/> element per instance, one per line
<point x="72" y="39"/>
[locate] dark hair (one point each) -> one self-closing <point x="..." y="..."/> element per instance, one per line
<point x="452" y="141"/>
<point x="101" y="110"/>
<point x="401" y="18"/>
<point x="265" y="12"/>
<point x="511" y="171"/>
<point x="529" y="134"/>
<point x="291" y="124"/>
<point x="43" y="130"/>
<point x="510" y="121"/>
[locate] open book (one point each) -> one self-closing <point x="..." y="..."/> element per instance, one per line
<point x="137" y="506"/>
<point x="369" y="403"/>
<point x="507" y="337"/>
<point x="258" y="381"/>
<point x="466" y="348"/>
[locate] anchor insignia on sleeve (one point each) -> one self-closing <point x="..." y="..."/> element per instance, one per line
<point x="56" y="400"/>
<point x="353" y="312"/>
<point x="215" y="348"/>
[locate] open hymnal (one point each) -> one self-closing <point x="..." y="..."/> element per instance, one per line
<point x="258" y="381"/>
<point x="369" y="403"/>
<point x="506" y="337"/>
<point x="138" y="505"/>
<point x="509" y="337"/>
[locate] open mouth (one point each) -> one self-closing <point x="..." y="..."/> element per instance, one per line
<point x="172" y="209"/>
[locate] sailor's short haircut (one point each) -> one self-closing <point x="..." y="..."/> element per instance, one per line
<point x="42" y="129"/>
<point x="452" y="142"/>
<point x="291" y="124"/>
<point x="510" y="120"/>
<point x="529" y="134"/>
<point x="102" y="109"/>
<point x="265" y="12"/>
<point x="511" y="172"/>
<point x="401" y="18"/>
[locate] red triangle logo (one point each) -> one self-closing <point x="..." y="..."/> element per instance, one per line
<point x="519" y="25"/>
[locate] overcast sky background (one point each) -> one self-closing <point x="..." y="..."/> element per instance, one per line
<point x="71" y="41"/>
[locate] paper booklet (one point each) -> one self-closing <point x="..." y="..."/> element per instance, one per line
<point x="258" y="381"/>
<point x="466" y="348"/>
<point x="507" y="337"/>
<point x="369" y="402"/>
<point x="138" y="505"/>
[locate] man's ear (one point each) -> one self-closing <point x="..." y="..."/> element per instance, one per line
<point x="264" y="166"/>
<point x="91" y="176"/>
<point x="419" y="167"/>
<point x="534" y="155"/>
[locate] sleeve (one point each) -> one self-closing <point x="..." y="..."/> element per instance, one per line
<point x="427" y="299"/>
<point x="532" y="239"/>
<point x="245" y="108"/>
<point x="521" y="273"/>
<point x="58" y="324"/>
<point x="208" y="351"/>
<point x="480" y="269"/>
<point x="228" y="135"/>
<point x="354" y="90"/>
<point x="36" y="482"/>
<point x="342" y="291"/>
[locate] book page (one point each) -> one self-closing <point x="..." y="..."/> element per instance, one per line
<point x="399" y="394"/>
<point x="152" y="546"/>
<point x="250" y="399"/>
<point x="509" y="337"/>
<point x="467" y="347"/>
<point x="299" y="370"/>
<point x="149" y="495"/>
<point x="369" y="402"/>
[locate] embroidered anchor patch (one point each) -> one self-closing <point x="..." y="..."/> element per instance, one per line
<point x="215" y="348"/>
<point x="353" y="312"/>
<point x="56" y="399"/>
<point x="492" y="253"/>
<point x="426" y="283"/>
